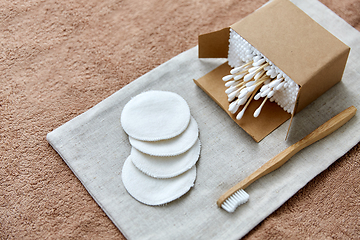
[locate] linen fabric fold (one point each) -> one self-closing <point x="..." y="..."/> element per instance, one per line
<point x="95" y="147"/>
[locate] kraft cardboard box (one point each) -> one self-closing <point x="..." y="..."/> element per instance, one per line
<point x="306" y="52"/>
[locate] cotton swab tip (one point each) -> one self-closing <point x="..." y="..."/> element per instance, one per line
<point x="249" y="84"/>
<point x="257" y="58"/>
<point x="236" y="70"/>
<point x="258" y="75"/>
<point x="278" y="87"/>
<point x="235" y="200"/>
<point x="229" y="83"/>
<point x="270" y="94"/>
<point x="257" y="112"/>
<point x="243" y="93"/>
<point x="258" y="63"/>
<point x="249" y="76"/>
<point x="230" y="89"/>
<point x="238" y="77"/>
<point x="251" y="89"/>
<point x="240" y="114"/>
<point x="232" y="95"/>
<point x="257" y="96"/>
<point x="227" y="78"/>
<point x="233" y="107"/>
<point x="243" y="100"/>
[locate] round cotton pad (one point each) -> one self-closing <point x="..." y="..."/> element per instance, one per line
<point x="155" y="191"/>
<point x="155" y="115"/>
<point x="169" y="147"/>
<point x="166" y="167"/>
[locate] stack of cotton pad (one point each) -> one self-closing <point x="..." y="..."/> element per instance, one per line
<point x="165" y="147"/>
<point x="254" y="76"/>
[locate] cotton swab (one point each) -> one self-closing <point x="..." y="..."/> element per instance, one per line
<point x="258" y="110"/>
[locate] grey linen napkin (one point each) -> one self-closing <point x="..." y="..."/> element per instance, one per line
<point x="95" y="147"/>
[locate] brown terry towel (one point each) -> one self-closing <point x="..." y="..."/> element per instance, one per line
<point x="60" y="58"/>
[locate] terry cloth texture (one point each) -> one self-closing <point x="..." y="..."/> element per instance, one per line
<point x="60" y="58"/>
<point x="155" y="191"/>
<point x="155" y="115"/>
<point x="93" y="145"/>
<point x="169" y="147"/>
<point x="166" y="167"/>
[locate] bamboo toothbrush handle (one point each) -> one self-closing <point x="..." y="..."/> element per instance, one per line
<point x="277" y="161"/>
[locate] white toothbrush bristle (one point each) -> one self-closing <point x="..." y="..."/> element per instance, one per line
<point x="235" y="200"/>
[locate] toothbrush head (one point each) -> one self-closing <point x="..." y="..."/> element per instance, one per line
<point x="234" y="200"/>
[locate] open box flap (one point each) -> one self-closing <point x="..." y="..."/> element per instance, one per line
<point x="214" y="44"/>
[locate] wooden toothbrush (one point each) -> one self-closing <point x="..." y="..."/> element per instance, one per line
<point x="236" y="195"/>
